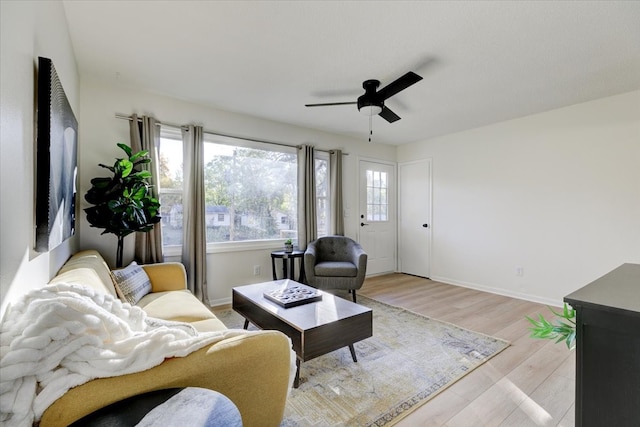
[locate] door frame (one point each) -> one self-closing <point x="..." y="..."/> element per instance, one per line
<point x="394" y="167"/>
<point x="428" y="161"/>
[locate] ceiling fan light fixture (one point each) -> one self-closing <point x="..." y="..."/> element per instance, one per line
<point x="370" y="110"/>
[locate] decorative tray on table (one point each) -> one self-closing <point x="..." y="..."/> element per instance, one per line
<point x="291" y="295"/>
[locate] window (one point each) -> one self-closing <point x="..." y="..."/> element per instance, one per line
<point x="250" y="190"/>
<point x="377" y="200"/>
<point x="254" y="184"/>
<point x="170" y="188"/>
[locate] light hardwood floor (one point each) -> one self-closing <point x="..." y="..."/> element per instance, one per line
<point x="531" y="383"/>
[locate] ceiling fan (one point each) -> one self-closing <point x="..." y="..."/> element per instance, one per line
<point x="372" y="101"/>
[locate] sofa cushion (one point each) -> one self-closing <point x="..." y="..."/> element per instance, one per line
<point x="87" y="268"/>
<point x="180" y="306"/>
<point x="132" y="283"/>
<point x="209" y="325"/>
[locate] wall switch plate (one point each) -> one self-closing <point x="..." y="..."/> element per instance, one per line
<point x="256" y="270"/>
<point x="519" y="271"/>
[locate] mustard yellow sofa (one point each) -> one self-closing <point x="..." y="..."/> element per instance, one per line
<point x="253" y="370"/>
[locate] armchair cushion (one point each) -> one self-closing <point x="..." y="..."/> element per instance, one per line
<point x="336" y="268"/>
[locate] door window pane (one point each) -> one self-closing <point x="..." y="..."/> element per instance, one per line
<point x="377" y="201"/>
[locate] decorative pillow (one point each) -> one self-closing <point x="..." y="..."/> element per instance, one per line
<point x="132" y="283"/>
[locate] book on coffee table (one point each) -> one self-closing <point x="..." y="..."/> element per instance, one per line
<point x="292" y="294"/>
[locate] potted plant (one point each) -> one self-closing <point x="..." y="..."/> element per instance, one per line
<point x="123" y="203"/>
<point x="561" y="330"/>
<point x="288" y="245"/>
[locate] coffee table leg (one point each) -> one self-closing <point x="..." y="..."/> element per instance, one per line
<point x="246" y="323"/>
<point x="296" y="381"/>
<point x="353" y="352"/>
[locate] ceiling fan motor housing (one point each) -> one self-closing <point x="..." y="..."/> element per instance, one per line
<point x="369" y="99"/>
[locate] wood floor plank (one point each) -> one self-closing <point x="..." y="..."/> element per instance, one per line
<point x="549" y="402"/>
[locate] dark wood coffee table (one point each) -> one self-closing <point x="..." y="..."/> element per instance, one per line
<point x="315" y="328"/>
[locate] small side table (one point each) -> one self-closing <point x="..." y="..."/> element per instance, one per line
<point x="286" y="256"/>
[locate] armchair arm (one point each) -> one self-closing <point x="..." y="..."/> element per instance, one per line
<point x="310" y="262"/>
<point x="359" y="259"/>
<point x="166" y="276"/>
<point x="252" y="370"/>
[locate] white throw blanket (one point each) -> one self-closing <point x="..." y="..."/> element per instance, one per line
<point x="61" y="336"/>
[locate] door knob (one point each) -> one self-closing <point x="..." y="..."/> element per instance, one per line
<point x="425" y="225"/>
<point x="362" y="224"/>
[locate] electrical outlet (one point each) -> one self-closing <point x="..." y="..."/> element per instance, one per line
<point x="519" y="271"/>
<point x="256" y="270"/>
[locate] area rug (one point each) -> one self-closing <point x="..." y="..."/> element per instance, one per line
<point x="409" y="360"/>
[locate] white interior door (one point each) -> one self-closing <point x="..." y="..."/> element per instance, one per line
<point x="377" y="217"/>
<point x="414" y="222"/>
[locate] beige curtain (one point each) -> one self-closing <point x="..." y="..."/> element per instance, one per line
<point x="307" y="222"/>
<point x="335" y="182"/>
<point x="145" y="135"/>
<point x="194" y="243"/>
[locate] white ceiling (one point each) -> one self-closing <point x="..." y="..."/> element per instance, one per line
<point x="482" y="62"/>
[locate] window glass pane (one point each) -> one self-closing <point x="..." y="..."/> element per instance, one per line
<point x="170" y="186"/>
<point x="254" y="189"/>
<point x="377" y="196"/>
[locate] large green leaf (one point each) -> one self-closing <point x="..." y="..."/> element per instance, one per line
<point x="143" y="174"/>
<point x="138" y="155"/>
<point x="124" y="167"/>
<point x="125" y="148"/>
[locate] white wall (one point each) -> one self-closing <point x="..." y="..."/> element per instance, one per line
<point x="100" y="132"/>
<point x="556" y="193"/>
<point x="28" y="30"/>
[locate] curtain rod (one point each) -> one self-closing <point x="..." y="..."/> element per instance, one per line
<point x="158" y="123"/>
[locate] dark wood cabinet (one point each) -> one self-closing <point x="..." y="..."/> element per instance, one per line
<point x="608" y="349"/>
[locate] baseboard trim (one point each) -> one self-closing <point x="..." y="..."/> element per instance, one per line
<point x="499" y="291"/>
<point x="218" y="302"/>
<point x="449" y="281"/>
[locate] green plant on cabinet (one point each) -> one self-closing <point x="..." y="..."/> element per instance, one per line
<point x="559" y="330"/>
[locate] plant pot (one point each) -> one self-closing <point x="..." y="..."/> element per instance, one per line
<point x="288" y="248"/>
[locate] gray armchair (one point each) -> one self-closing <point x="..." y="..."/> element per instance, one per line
<point x="335" y="262"/>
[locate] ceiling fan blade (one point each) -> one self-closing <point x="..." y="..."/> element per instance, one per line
<point x="398" y="85"/>
<point x="330" y="103"/>
<point x="389" y="115"/>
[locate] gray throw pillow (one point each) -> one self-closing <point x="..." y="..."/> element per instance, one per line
<point x="132" y="283"/>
